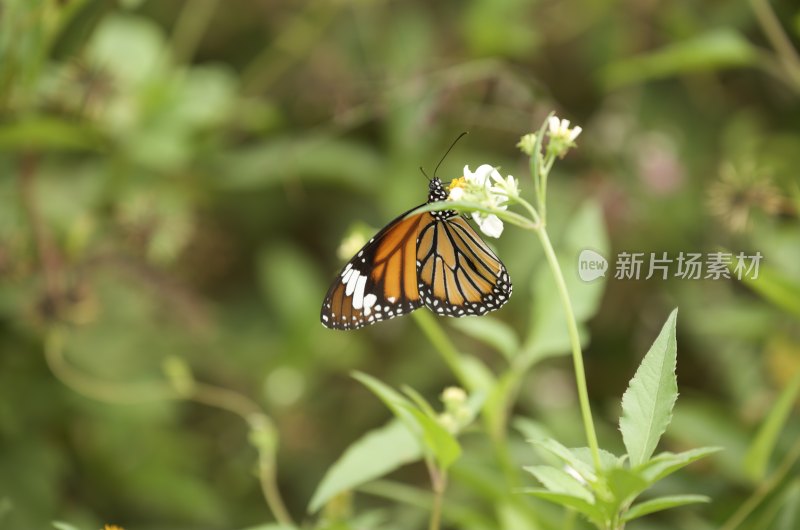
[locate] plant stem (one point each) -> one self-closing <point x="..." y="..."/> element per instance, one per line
<point x="443" y="345"/>
<point x="213" y="396"/>
<point x="574" y="338"/>
<point x="192" y="23"/>
<point x="778" y="38"/>
<point x="764" y="489"/>
<point x="439" y="483"/>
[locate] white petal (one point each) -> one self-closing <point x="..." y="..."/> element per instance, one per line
<point x="481" y="174"/>
<point x="564" y="125"/>
<point x="492" y="226"/>
<point x="555" y="124"/>
<point x="574" y="133"/>
<point x="456" y="194"/>
<point x="497" y="177"/>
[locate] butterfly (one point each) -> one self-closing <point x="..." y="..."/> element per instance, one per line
<point x="435" y="259"/>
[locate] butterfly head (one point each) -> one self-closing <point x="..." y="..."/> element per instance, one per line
<point x="436" y="191"/>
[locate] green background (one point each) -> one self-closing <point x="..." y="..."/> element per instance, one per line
<point x="176" y="179"/>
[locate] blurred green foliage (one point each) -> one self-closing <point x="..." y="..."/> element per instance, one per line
<point x="177" y="178"/>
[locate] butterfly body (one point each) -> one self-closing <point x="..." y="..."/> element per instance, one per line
<point x="433" y="258"/>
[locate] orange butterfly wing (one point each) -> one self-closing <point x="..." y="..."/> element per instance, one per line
<point x="459" y="275"/>
<point x="380" y="282"/>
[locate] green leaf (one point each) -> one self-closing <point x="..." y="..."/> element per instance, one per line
<point x="143" y="42"/>
<point x="318" y="158"/>
<point x="559" y="481"/>
<point x="566" y="456"/>
<point x="441" y="443"/>
<point x="578" y="504"/>
<point x="625" y="485"/>
<point x="758" y="455"/>
<point x="789" y="516"/>
<point x="375" y="454"/>
<point x="662" y="503"/>
<point x="715" y="50"/>
<point x="608" y="460"/>
<point x="396" y="402"/>
<point x="490" y="331"/>
<point x="50" y="134"/>
<point x="777" y="288"/>
<point x="664" y="464"/>
<point x="419" y="401"/>
<point x="647" y="403"/>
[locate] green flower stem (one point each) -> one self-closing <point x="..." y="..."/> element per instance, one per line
<point x="764" y="489"/>
<point x="439" y="483"/>
<point x="192" y="23"/>
<point x="442" y="343"/>
<point x="771" y="26"/>
<point x="539" y="177"/>
<point x="462" y="206"/>
<point x="575" y="341"/>
<point x="260" y="425"/>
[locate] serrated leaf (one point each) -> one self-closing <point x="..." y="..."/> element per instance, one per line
<point x="608" y="460"/>
<point x="559" y="481"/>
<point x="624" y="484"/>
<point x="490" y="331"/>
<point x="647" y="403"/>
<point x="569" y="501"/>
<point x="586" y="470"/>
<point x="375" y="454"/>
<point x="662" y="503"/>
<point x="664" y="464"/>
<point x="758" y="455"/>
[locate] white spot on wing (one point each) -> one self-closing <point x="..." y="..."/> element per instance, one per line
<point x="347" y="274"/>
<point x="351" y="284"/>
<point x="358" y="294"/>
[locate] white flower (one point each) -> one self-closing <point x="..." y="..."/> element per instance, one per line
<point x="508" y="187"/>
<point x="559" y="130"/>
<point x="491" y="225"/>
<point x="487" y="187"/>
<point x="456" y="193"/>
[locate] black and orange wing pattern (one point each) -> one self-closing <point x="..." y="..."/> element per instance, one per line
<point x="380" y="282"/>
<point x="459" y="275"/>
<point x="434" y="259"/>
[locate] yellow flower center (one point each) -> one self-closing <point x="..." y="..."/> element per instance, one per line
<point x="460" y="182"/>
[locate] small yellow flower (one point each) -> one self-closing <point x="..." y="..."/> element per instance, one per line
<point x="460" y="182"/>
<point x="112" y="527"/>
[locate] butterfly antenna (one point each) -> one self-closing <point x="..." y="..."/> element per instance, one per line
<point x="423" y="172"/>
<point x="460" y="136"/>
